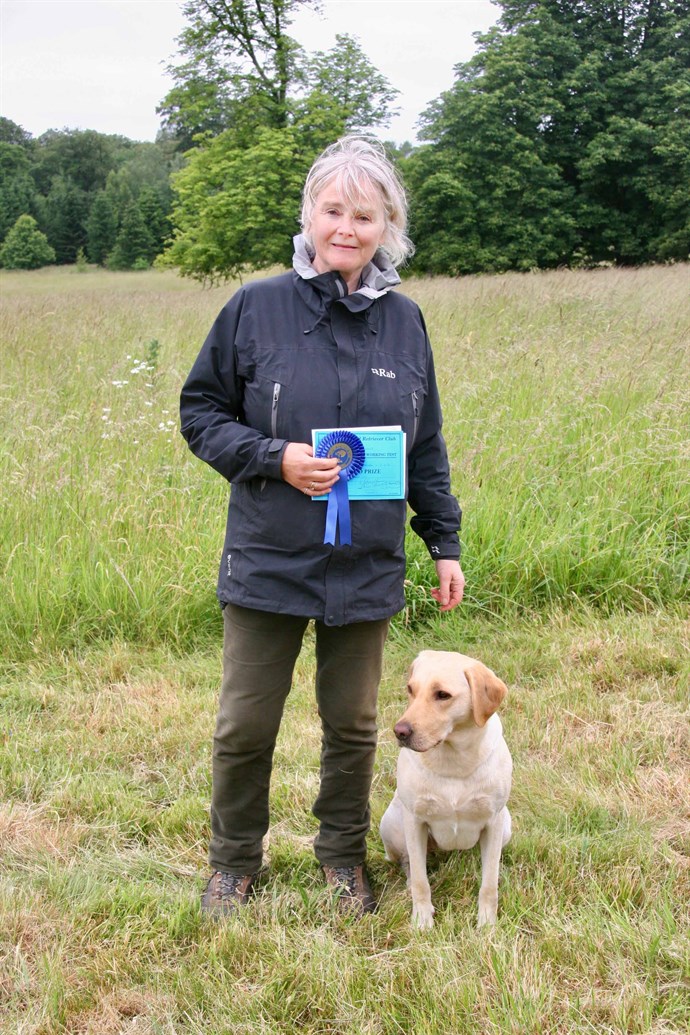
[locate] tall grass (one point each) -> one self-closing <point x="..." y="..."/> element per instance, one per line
<point x="567" y="408"/>
<point x="567" y="414"/>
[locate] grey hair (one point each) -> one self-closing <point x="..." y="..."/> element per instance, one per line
<point x="360" y="168"/>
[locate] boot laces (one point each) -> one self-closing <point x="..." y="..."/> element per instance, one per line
<point x="228" y="884"/>
<point x="347" y="876"/>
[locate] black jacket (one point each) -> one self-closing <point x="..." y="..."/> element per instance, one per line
<point x="288" y="354"/>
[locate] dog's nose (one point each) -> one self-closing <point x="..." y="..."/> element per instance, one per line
<point x="403" y="731"/>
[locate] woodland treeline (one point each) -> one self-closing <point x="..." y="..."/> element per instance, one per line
<point x="80" y="193"/>
<point x="565" y="140"/>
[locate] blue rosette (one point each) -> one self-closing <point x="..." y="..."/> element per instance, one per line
<point x="348" y="449"/>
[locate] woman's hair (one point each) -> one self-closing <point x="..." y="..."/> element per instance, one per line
<point x="360" y="168"/>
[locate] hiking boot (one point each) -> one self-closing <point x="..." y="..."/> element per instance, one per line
<point x="225" y="893"/>
<point x="353" y="890"/>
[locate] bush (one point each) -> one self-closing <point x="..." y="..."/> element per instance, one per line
<point x="25" y="247"/>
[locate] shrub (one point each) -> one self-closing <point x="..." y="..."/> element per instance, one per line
<point x="25" y="247"/>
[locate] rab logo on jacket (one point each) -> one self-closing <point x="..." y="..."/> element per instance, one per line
<point x="380" y="372"/>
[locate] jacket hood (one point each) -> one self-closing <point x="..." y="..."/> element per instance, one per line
<point x="378" y="276"/>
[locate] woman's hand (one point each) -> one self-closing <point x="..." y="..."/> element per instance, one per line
<point x="451" y="584"/>
<point x="306" y="472"/>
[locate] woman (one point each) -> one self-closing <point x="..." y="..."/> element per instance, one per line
<point x="328" y="345"/>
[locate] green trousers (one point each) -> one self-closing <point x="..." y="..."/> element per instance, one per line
<point x="259" y="654"/>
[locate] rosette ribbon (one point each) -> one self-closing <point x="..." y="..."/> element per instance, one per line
<point x="348" y="449"/>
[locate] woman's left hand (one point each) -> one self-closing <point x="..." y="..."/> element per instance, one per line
<point x="451" y="584"/>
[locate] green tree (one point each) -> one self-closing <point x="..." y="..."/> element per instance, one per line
<point x="17" y="190"/>
<point x="144" y="179"/>
<point x="354" y="86"/>
<point x="101" y="228"/>
<point x="237" y="206"/>
<point x="566" y="136"/>
<point x="196" y="108"/>
<point x="635" y="169"/>
<point x="488" y="195"/>
<point x="25" y="247"/>
<point x="84" y="157"/>
<point x="134" y="245"/>
<point x="155" y="217"/>
<point x="146" y="165"/>
<point x="240" y="67"/>
<point x="65" y="213"/>
<point x="12" y="133"/>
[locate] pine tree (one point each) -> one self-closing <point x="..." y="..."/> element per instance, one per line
<point x="66" y="211"/>
<point x="17" y="189"/>
<point x="134" y="244"/>
<point x="101" y="228"/>
<point x="25" y="247"/>
<point x="155" y="218"/>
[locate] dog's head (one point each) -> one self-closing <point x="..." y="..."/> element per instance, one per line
<point x="447" y="691"/>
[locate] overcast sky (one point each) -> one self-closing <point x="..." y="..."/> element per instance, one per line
<point x="99" y="64"/>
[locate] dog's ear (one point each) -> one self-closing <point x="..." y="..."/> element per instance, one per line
<point x="487" y="691"/>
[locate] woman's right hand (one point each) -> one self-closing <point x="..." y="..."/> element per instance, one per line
<point x="312" y="475"/>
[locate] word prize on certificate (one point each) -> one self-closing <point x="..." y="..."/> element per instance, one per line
<point x="373" y="460"/>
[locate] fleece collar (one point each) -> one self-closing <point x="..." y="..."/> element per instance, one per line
<point x="378" y="276"/>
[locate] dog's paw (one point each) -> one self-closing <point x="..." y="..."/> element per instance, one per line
<point x="423" y="917"/>
<point x="488" y="906"/>
<point x="486" y="917"/>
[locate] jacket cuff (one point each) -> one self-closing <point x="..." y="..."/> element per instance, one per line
<point x="273" y="458"/>
<point x="444" y="551"/>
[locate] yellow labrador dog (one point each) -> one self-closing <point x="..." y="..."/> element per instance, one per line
<point x="453" y="779"/>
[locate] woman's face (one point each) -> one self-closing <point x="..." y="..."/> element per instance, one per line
<point x="345" y="238"/>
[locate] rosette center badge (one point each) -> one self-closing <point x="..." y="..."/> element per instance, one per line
<point x="342" y="452"/>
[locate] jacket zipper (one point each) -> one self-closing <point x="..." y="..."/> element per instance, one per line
<point x="274" y="410"/>
<point x="415" y="405"/>
<point x="274" y="420"/>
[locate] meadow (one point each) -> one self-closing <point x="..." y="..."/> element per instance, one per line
<point x="567" y="415"/>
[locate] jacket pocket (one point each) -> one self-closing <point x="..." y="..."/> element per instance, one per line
<point x="412" y="404"/>
<point x="266" y="405"/>
<point x="275" y="402"/>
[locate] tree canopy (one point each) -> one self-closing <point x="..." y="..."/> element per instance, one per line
<point x="565" y="139"/>
<point x="79" y="186"/>
<point x="237" y="205"/>
<point x="240" y="67"/>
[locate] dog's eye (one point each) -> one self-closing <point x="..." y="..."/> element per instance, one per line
<point x="441" y="695"/>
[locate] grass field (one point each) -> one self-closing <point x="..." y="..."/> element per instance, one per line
<point x="567" y="408"/>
